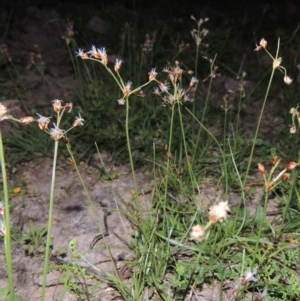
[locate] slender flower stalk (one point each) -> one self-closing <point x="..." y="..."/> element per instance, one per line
<point x="4" y="208"/>
<point x="50" y="220"/>
<point x="56" y="133"/>
<point x="100" y="55"/>
<point x="6" y="232"/>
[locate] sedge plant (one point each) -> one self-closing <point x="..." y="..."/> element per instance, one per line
<point x="5" y="230"/>
<point x="57" y="134"/>
<point x="100" y="55"/>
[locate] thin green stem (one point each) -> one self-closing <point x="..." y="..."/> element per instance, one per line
<point x="50" y="217"/>
<point x="188" y="162"/>
<point x="7" y="237"/>
<point x="257" y="128"/>
<point x="204" y="109"/>
<point x="136" y="197"/>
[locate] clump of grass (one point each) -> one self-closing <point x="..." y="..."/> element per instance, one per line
<point x="5" y="231"/>
<point x="165" y="241"/>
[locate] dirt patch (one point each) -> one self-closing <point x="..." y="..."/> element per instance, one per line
<point x="73" y="219"/>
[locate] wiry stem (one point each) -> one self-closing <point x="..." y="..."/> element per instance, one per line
<point x="50" y="217"/>
<point x="7" y="238"/>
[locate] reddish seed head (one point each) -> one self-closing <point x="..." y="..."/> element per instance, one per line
<point x="275" y="161"/>
<point x="57" y="105"/>
<point x="291" y="166"/>
<point x="261" y="168"/>
<point x="285" y="177"/>
<point x="27" y="119"/>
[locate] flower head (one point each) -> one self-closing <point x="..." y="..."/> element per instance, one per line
<point x="94" y="52"/>
<point x="193" y="81"/>
<point x="287" y="80"/>
<point x="249" y="276"/>
<point x="219" y="212"/>
<point x="163" y="87"/>
<point x="156" y="91"/>
<point x="290" y="166"/>
<point x="197" y="233"/>
<point x="118" y="64"/>
<point x="285" y="177"/>
<point x="56" y="133"/>
<point x="277" y="62"/>
<point x="294" y="112"/>
<point x="27" y="119"/>
<point x="69" y="106"/>
<point x="99" y="53"/>
<point x="293" y="129"/>
<point x="3" y="111"/>
<point x="82" y="54"/>
<point x="78" y="121"/>
<point x="57" y="105"/>
<point x="121" y="101"/>
<point x="140" y="93"/>
<point x="127" y="88"/>
<point x="152" y="74"/>
<point x="261" y="295"/>
<point x="261" y="168"/>
<point x="177" y="72"/>
<point x="262" y="45"/>
<point x="43" y="122"/>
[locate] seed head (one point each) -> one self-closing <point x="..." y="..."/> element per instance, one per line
<point x="57" y="105"/>
<point x="163" y="87"/>
<point x="121" y="101"/>
<point x="285" y="177"/>
<point x="193" y="81"/>
<point x="290" y="166"/>
<point x="262" y="45"/>
<point x="118" y="64"/>
<point x="56" y="133"/>
<point x="156" y="91"/>
<point x="78" y="121"/>
<point x="219" y="212"/>
<point x="294" y="112"/>
<point x="261" y="168"/>
<point x="177" y="72"/>
<point x="152" y="74"/>
<point x="261" y="295"/>
<point x="69" y="106"/>
<point x="82" y="54"/>
<point x="249" y="276"/>
<point x="277" y="62"/>
<point x="140" y="93"/>
<point x="275" y="161"/>
<point x="3" y="111"/>
<point x="43" y="122"/>
<point x="127" y="88"/>
<point x="100" y="54"/>
<point x="197" y="233"/>
<point x="94" y="52"/>
<point x="287" y="80"/>
<point x="27" y="119"/>
<point x="293" y="129"/>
